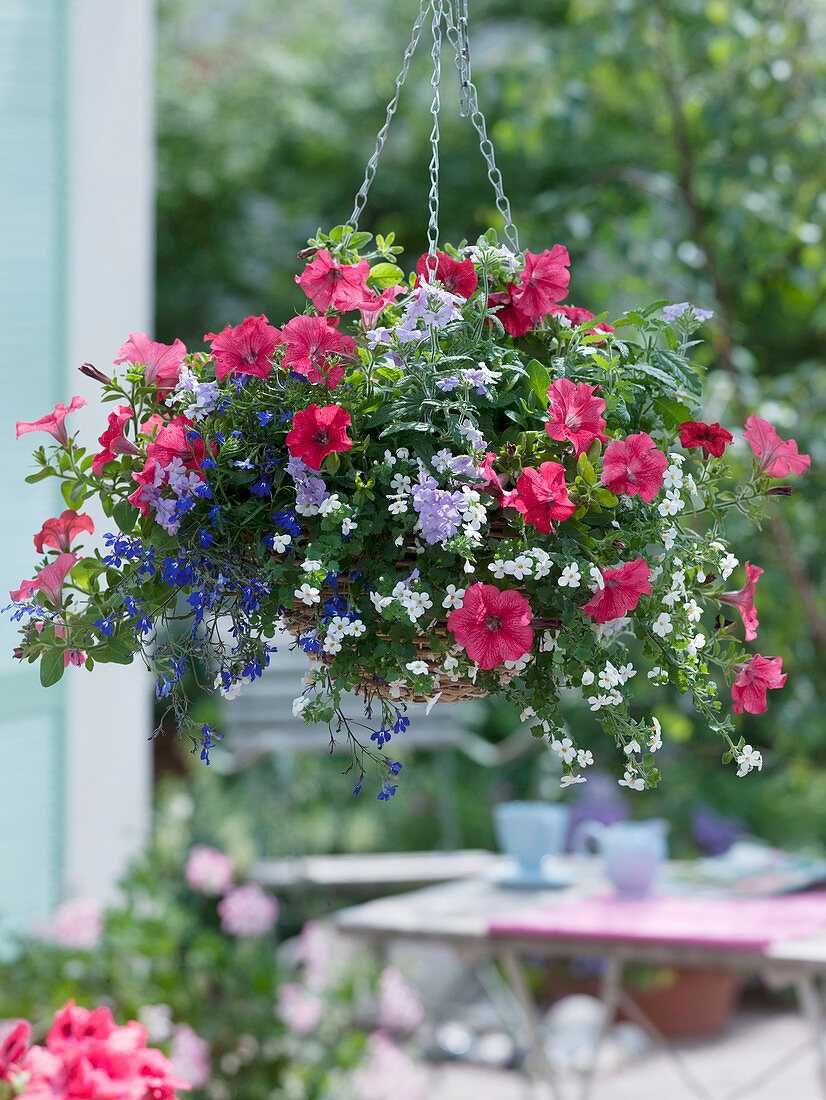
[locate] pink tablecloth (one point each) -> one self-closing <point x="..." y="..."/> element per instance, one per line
<point x="737" y="924"/>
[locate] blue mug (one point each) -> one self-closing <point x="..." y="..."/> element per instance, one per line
<point x="529" y="831"/>
<point x="632" y="852"/>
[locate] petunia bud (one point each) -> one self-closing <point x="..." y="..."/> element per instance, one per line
<point x="709" y="580"/>
<point x="779" y="491"/>
<point x="307" y="253"/>
<point x="91" y="371"/>
<point x="511" y="449"/>
<point x="618" y="544"/>
<point x="17" y="653"/>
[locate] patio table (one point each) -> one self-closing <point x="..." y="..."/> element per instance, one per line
<point x="488" y="923"/>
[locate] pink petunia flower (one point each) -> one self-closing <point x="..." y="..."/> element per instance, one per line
<point x="634" y="465"/>
<point x="400" y="1007"/>
<point x="146" y="478"/>
<point x="299" y="1008"/>
<point x="778" y="457"/>
<point x="208" y="870"/>
<point x="248" y="911"/>
<point x="59" y="531"/>
<point x="190" y="1056"/>
<point x="317" y="432"/>
<point x="744" y="601"/>
<point x="161" y="362"/>
<point x="330" y="283"/>
<point x="374" y="305"/>
<point x="457" y="276"/>
<point x="753" y="680"/>
<point x="711" y="437"/>
<point x="514" y="320"/>
<point x="78" y="923"/>
<point x="113" y="440"/>
<point x="74" y="1024"/>
<point x="310" y="341"/>
<point x="313" y="952"/>
<point x="53" y="422"/>
<point x="244" y="349"/>
<point x="492" y="626"/>
<point x="542" y="495"/>
<point x="49" y="580"/>
<point x="151" y="423"/>
<point x="544" y="281"/>
<point x="620" y="592"/>
<point x="15" y="1038"/>
<point x="174" y="440"/>
<point x="578" y="316"/>
<point x="386" y="1072"/>
<point x="575" y="414"/>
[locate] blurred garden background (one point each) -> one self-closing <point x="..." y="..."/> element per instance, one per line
<point x="677" y="151"/>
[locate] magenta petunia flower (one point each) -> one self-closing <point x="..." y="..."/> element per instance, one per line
<point x="310" y="342"/>
<point x="113" y="440"/>
<point x="578" y="316"/>
<point x="457" y="276"/>
<point x="744" y="601"/>
<point x="711" y="437"/>
<point x="544" y="282"/>
<point x="634" y="465"/>
<point x="208" y="870"/>
<point x="374" y="305"/>
<point x="492" y="626"/>
<point x="514" y="321"/>
<point x="778" y="457"/>
<point x="13" y="1048"/>
<point x="542" y="495"/>
<point x="177" y="439"/>
<point x="245" y="349"/>
<point x="53" y="422"/>
<point x="146" y="478"/>
<point x="49" y="580"/>
<point x="575" y="414"/>
<point x="753" y="680"/>
<point x="161" y="362"/>
<point x="60" y="530"/>
<point x="329" y="283"/>
<point x="317" y="432"/>
<point x="620" y="593"/>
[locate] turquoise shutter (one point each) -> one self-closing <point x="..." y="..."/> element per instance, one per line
<point x="33" y="47"/>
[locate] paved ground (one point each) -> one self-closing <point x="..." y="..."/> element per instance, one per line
<point x="755" y="1040"/>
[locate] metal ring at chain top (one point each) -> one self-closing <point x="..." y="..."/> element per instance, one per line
<point x="460" y="46"/>
<point x="433" y="198"/>
<point x="381" y="137"/>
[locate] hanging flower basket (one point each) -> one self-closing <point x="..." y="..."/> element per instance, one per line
<point x="444" y="484"/>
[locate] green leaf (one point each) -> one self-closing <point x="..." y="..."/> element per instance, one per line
<point x="125" y="516"/>
<point x="539" y="380"/>
<point x="74" y="493"/>
<point x="52" y="667"/>
<point x="32" y="478"/>
<point x="384" y="275"/>
<point x="120" y="651"/>
<point x="586" y="470"/>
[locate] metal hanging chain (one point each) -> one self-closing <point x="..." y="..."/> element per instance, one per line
<point x="381" y="137"/>
<point x="457" y="33"/>
<point x="433" y="197"/>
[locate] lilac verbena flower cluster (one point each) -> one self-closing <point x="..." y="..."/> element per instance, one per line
<point x="197" y="399"/>
<point x="311" y="492"/>
<point x="440" y="510"/>
<point x="428" y="309"/>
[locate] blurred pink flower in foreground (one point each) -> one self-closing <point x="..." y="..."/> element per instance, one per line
<point x="399" y="1006"/>
<point x="190" y="1056"/>
<point x="248" y="911"/>
<point x="388" y="1073"/>
<point x="299" y="1009"/>
<point x="208" y="871"/>
<point x="78" y="923"/>
<point x="313" y="950"/>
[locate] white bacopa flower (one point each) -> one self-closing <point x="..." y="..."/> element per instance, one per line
<point x="728" y="565"/>
<point x="669" y="537"/>
<point x="454" y="596"/>
<point x="379" y="601"/>
<point x="587" y="678"/>
<point x="311" y="565"/>
<point x="298" y="705"/>
<point x="673" y="477"/>
<point x="584" y="758"/>
<point x="543" y="565"/>
<point x="397" y="506"/>
<point x="613" y="698"/>
<point x="596" y="702"/>
<point x="570" y="576"/>
<point x="625" y="672"/>
<point x="330" y="505"/>
<point x="527" y="713"/>
<point x="418" y="668"/>
<point x="675" y="456"/>
<point x="389" y="458"/>
<point x="281" y="542"/>
<point x="632" y="782"/>
<point x="520" y="567"/>
<point x="749" y="758"/>
<point x="596" y="577"/>
<point x="339" y="623"/>
<point x="396" y="687"/>
<point x="402" y="454"/>
<point x="656" y="740"/>
<point x="569" y="780"/>
<point x="671" y="505"/>
<point x="662" y="624"/>
<point x="402" y="483"/>
<point x="607" y="678"/>
<point x="306" y="509"/>
<point x="399" y="540"/>
<point x="691" y="484"/>
<point x="497" y="567"/>
<point x="357" y="628"/>
<point x="632" y="746"/>
<point x="332" y="644"/>
<point x="469" y="567"/>
<point x="656" y="673"/>
<point x="308" y="595"/>
<point x="696" y="644"/>
<point x="548" y="643"/>
<point x="566" y="750"/>
<point x="431" y="702"/>
<point x="348" y="525"/>
<point x="693" y="611"/>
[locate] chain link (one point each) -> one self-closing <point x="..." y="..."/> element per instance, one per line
<point x="381" y="137"/>
<point x="433" y="197"/>
<point x="463" y="58"/>
<point x="479" y="124"/>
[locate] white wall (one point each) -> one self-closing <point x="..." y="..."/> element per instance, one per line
<point x="110" y="277"/>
